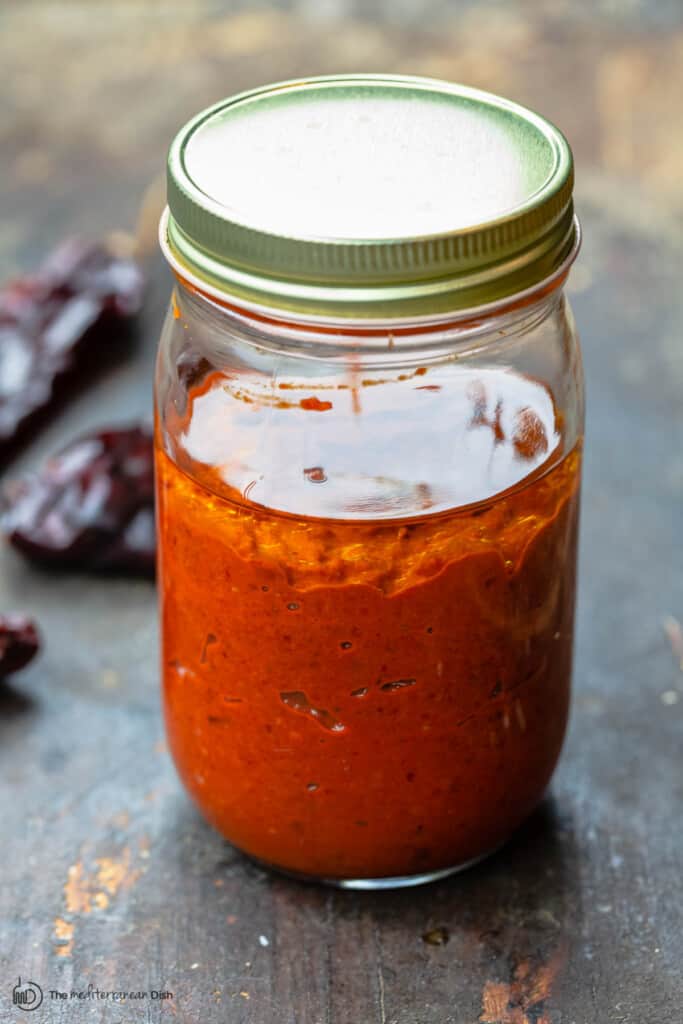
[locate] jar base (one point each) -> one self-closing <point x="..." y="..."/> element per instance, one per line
<point x="378" y="884"/>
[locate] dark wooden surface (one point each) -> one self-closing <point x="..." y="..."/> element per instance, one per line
<point x="108" y="876"/>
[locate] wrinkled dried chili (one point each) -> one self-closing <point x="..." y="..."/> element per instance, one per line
<point x="90" y="507"/>
<point x="57" y="324"/>
<point x="19" y="643"/>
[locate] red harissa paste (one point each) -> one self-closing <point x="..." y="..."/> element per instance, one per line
<point x="359" y="698"/>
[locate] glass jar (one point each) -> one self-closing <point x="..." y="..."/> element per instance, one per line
<point x="368" y="464"/>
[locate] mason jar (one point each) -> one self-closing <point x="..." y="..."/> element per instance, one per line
<point x="369" y="427"/>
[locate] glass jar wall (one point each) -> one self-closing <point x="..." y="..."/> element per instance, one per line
<point x="367" y="554"/>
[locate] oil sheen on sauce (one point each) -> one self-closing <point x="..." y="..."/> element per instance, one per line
<point x="367" y="633"/>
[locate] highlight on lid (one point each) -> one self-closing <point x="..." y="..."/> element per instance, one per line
<point x="371" y="196"/>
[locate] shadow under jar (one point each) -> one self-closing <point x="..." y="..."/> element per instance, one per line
<point x="369" y="426"/>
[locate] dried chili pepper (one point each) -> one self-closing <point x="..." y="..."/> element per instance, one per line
<point x="57" y="324"/>
<point x="19" y="643"/>
<point x="90" y="507"/>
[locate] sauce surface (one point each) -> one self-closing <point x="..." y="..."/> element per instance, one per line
<point x="361" y="695"/>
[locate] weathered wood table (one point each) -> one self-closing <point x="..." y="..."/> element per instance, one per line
<point x="109" y="877"/>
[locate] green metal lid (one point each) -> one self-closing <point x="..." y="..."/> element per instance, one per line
<point x="368" y="196"/>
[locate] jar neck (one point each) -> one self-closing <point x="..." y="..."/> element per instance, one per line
<point x="376" y="344"/>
